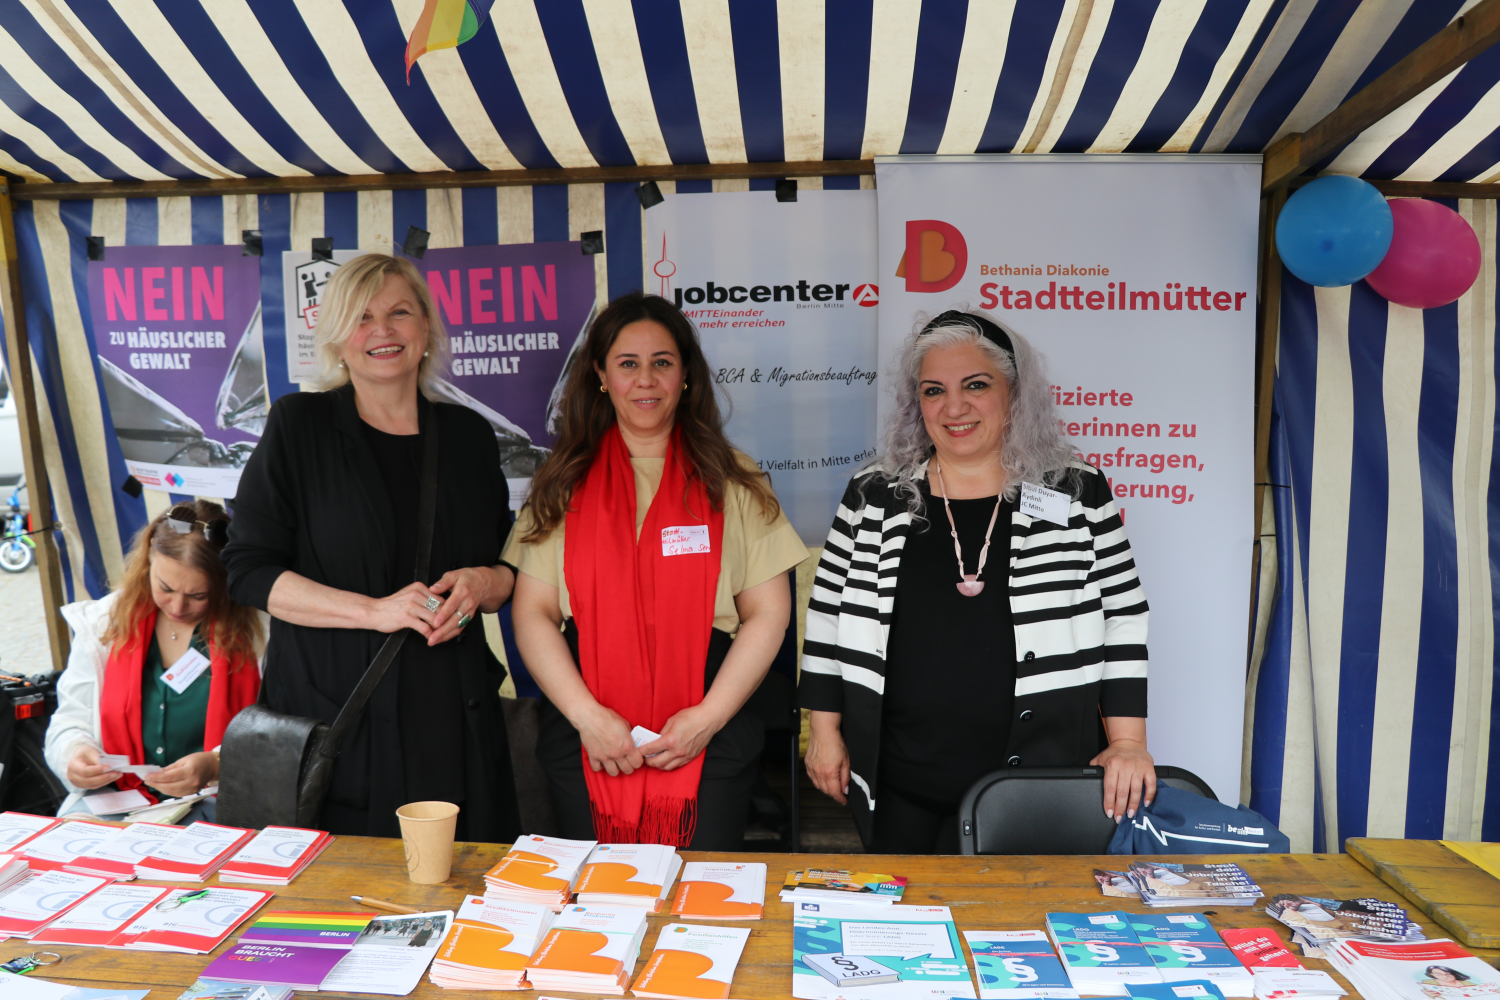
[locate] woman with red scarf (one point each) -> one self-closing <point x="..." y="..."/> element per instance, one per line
<point x="651" y="591"/>
<point x="157" y="668"/>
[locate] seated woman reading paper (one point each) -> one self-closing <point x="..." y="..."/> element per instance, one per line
<point x="157" y="668"/>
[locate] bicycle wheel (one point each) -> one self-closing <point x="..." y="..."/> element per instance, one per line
<point x="16" y="556"/>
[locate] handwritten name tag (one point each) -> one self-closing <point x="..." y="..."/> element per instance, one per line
<point x="1049" y="505"/>
<point x="684" y="540"/>
<point x="185" y="670"/>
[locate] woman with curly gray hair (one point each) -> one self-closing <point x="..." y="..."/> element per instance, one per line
<point x="933" y="657"/>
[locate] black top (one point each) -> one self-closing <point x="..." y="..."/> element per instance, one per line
<point x="950" y="676"/>
<point x="312" y="500"/>
<point x="431" y="714"/>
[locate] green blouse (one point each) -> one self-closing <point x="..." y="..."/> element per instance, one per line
<point x="172" y="723"/>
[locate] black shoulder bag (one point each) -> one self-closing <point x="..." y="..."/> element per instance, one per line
<point x="275" y="769"/>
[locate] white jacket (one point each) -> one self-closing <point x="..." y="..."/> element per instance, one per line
<point x="76" y="721"/>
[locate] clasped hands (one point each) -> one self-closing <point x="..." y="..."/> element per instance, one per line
<point x="185" y="776"/>
<point x="460" y="593"/>
<point x="606" y="738"/>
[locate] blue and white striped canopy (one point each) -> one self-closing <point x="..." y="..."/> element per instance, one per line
<point x="132" y="89"/>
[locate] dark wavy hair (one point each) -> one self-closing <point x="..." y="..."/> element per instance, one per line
<point x="585" y="414"/>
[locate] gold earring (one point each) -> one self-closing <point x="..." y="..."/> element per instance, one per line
<point x="684" y="384"/>
<point x="601" y="387"/>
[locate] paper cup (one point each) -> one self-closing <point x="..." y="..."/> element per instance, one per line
<point x="427" y="831"/>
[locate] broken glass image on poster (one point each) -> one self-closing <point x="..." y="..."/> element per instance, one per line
<point x="516" y="317"/>
<point x="178" y="334"/>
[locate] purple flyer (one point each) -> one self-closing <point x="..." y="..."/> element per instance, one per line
<point x="178" y="332"/>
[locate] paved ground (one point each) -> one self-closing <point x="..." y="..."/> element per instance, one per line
<point x="23" y="634"/>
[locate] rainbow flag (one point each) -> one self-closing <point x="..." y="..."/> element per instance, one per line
<point x="307" y="927"/>
<point x="444" y="24"/>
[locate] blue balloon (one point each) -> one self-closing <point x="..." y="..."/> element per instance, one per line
<point x="1334" y="231"/>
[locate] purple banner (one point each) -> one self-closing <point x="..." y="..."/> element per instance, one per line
<point x="179" y="338"/>
<point x="515" y="315"/>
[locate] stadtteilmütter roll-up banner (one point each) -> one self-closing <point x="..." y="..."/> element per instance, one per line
<point x="1135" y="275"/>
<point x="783" y="295"/>
<point x="178" y="336"/>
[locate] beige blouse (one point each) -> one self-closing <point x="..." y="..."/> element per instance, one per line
<point x="754" y="550"/>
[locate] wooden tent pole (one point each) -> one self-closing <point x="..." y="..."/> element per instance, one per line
<point x="1466" y="37"/>
<point x="18" y="350"/>
<point x="1268" y="329"/>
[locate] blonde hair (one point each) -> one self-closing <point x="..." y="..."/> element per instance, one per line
<point x="349" y="291"/>
<point x="227" y="626"/>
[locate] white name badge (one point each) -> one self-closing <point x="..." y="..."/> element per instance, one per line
<point x="185" y="670"/>
<point x="684" y="540"/>
<point x="1049" y="505"/>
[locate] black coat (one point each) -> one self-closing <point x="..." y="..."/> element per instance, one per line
<point x="312" y="500"/>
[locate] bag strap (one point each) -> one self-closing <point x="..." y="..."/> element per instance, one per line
<point x="426" y="515"/>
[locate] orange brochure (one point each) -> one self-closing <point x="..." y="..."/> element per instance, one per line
<point x="717" y="891"/>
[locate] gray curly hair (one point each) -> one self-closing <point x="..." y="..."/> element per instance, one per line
<point x="1034" y="449"/>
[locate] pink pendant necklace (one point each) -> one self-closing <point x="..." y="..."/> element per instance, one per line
<point x="970" y="585"/>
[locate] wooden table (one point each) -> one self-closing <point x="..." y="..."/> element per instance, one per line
<point x="1461" y="897"/>
<point x="986" y="893"/>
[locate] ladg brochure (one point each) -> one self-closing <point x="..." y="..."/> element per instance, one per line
<point x="892" y="952"/>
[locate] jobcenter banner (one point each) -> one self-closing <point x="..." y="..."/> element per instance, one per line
<point x="784" y="297"/>
<point x="1136" y="276"/>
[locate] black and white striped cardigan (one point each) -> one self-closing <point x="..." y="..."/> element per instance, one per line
<point x="1077" y="607"/>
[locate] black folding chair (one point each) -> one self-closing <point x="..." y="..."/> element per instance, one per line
<point x="1047" y="810"/>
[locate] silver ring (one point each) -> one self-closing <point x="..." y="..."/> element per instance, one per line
<point x="465" y="620"/>
<point x="433" y="604"/>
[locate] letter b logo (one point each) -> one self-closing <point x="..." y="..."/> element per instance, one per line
<point x="716" y="293"/>
<point x="936" y="256"/>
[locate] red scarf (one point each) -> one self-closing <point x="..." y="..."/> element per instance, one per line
<point x="232" y="685"/>
<point x="644" y="621"/>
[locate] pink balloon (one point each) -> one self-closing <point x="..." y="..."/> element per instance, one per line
<point x="1433" y="259"/>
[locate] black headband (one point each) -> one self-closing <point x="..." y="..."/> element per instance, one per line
<point x="989" y="330"/>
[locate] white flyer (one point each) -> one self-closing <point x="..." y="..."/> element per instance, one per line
<point x="277" y="846"/>
<point x="390" y="955"/>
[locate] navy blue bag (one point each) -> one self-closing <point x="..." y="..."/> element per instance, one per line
<point x="1180" y="822"/>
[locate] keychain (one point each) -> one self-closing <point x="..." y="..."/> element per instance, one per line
<point x="172" y="904"/>
<point x="25" y="963"/>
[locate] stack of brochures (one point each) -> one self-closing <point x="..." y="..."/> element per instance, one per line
<point x="212" y="989"/>
<point x="1184" y="946"/>
<point x="629" y="875"/>
<point x="1193" y="989"/>
<point x="692" y="962"/>
<point x="716" y="891"/>
<point x="295" y="948"/>
<point x="194" y="854"/>
<point x="116" y="856"/>
<point x="136" y="917"/>
<point x="13" y="868"/>
<point x="589" y="949"/>
<point x="1018" y="965"/>
<point x="1421" y="970"/>
<point x="1259" y="949"/>
<point x="1296" y="984"/>
<point x="17" y="828"/>
<point x="99" y="917"/>
<point x="490" y="944"/>
<point x="275" y="856"/>
<point x="40" y="899"/>
<point x="62" y="844"/>
<point x="538" y="870"/>
<point x="1317" y="924"/>
<point x="1167" y="884"/>
<point x="891" y="952"/>
<point x="842" y="886"/>
<point x="1116" y="884"/>
<point x="1101" y="952"/>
